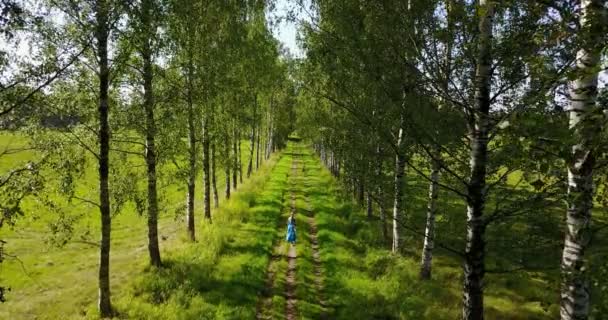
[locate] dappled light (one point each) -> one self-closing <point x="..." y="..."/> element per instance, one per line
<point x="313" y="159"/>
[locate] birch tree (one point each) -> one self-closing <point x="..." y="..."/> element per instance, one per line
<point x="145" y="30"/>
<point x="102" y="9"/>
<point x="583" y="124"/>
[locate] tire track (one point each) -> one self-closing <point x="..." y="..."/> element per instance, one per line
<point x="316" y="257"/>
<point x="264" y="308"/>
<point x="292" y="255"/>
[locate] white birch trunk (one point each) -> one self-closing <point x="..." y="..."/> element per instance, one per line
<point x="474" y="265"/>
<point x="398" y="186"/>
<point x="429" y="232"/>
<point x="583" y="94"/>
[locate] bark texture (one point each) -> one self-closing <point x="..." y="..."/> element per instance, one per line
<point x="235" y="162"/>
<point x="216" y="199"/>
<point x="583" y="94"/>
<point x="398" y="185"/>
<point x="252" y="140"/>
<point x="191" y="188"/>
<point x="191" y="157"/>
<point x="206" y="169"/>
<point x="102" y="31"/>
<point x="240" y="157"/>
<point x="227" y="169"/>
<point x="148" y="74"/>
<point x="257" y="151"/>
<point x="429" y="233"/>
<point x="474" y="265"/>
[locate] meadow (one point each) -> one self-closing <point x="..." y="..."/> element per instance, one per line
<point x="52" y="261"/>
<point x="224" y="275"/>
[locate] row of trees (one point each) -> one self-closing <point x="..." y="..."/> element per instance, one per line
<point x="492" y="102"/>
<point x="154" y="91"/>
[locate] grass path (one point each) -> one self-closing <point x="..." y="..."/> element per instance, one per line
<point x="318" y="268"/>
<point x="294" y="276"/>
<point x="280" y="287"/>
<point x="242" y="268"/>
<point x="292" y="255"/>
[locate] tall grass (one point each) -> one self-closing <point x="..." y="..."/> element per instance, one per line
<point x="220" y="276"/>
<point x="49" y="282"/>
<point x="364" y="280"/>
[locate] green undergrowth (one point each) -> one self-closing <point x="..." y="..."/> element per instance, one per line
<point x="309" y="303"/>
<point x="279" y="265"/>
<point x="364" y="280"/>
<point x="221" y="275"/>
<point x="51" y="282"/>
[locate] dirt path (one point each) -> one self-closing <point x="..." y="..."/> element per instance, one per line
<point x="316" y="258"/>
<point x="292" y="255"/>
<point x="290" y="292"/>
<point x="265" y="303"/>
<point x="279" y="299"/>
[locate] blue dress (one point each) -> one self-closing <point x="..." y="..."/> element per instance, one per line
<point x="291" y="232"/>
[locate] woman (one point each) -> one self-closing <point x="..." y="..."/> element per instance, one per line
<point x="291" y="229"/>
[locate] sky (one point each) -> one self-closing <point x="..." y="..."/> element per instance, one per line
<point x="285" y="30"/>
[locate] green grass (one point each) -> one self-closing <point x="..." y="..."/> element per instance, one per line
<point x="50" y="282"/>
<point x="366" y="281"/>
<point x="223" y="274"/>
<point x="307" y="292"/>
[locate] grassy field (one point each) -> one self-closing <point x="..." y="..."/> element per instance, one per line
<point x="220" y="276"/>
<point x="49" y="282"/>
<point x="366" y="281"/>
<point x="224" y="274"/>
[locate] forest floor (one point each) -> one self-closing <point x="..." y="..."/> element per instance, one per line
<point x="242" y="268"/>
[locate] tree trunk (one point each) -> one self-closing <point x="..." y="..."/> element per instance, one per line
<point x="265" y="144"/>
<point x="379" y="194"/>
<point x="153" y="247"/>
<point x="240" y="158"/>
<point x="383" y="225"/>
<point x="332" y="168"/>
<point x="252" y="140"/>
<point x="369" y="206"/>
<point x="270" y="141"/>
<point x="216" y="199"/>
<point x="191" y="174"/>
<point x="191" y="156"/>
<point x="235" y="165"/>
<point x="206" y="169"/>
<point x="360" y="192"/>
<point x="398" y="185"/>
<point x="104" y="304"/>
<point x="583" y="126"/>
<point x="429" y="233"/>
<point x="337" y="165"/>
<point x="251" y="152"/>
<point x="227" y="165"/>
<point x="474" y="265"/>
<point x="257" y="152"/>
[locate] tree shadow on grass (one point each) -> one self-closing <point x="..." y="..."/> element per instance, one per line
<point x="219" y="280"/>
